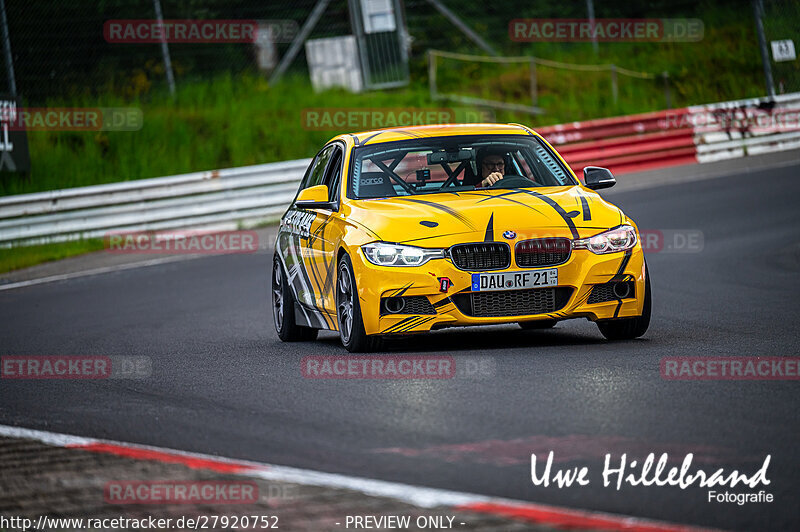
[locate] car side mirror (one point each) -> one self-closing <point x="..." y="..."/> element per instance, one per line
<point x="313" y="198"/>
<point x="596" y="178"/>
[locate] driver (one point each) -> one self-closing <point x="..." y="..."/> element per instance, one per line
<point x="492" y="167"/>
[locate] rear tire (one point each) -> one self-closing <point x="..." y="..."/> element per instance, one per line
<point x="538" y="324"/>
<point x="630" y="328"/>
<point x="283" y="309"/>
<point x="348" y="311"/>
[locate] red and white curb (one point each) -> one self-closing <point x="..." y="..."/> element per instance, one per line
<point x="415" y="495"/>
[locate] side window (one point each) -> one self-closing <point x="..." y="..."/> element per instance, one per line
<point x="317" y="169"/>
<point x="545" y="159"/>
<point x="333" y="175"/>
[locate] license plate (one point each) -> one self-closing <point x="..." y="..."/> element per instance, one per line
<point x="485" y="282"/>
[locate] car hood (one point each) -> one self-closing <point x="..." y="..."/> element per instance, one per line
<point x="487" y="214"/>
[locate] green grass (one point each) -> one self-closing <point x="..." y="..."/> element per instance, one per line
<point x="19" y="257"/>
<point x="233" y="121"/>
<point x="215" y="124"/>
<point x="725" y="65"/>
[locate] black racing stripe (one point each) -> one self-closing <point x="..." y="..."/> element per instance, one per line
<point x="329" y="266"/>
<point x="504" y="194"/>
<point x="449" y="210"/>
<point x="409" y="133"/>
<point x="364" y="142"/>
<point x="312" y="239"/>
<point x="442" y="302"/>
<point x="399" y="324"/>
<point x="330" y="278"/>
<point x="624" y="263"/>
<point x="400" y="291"/>
<point x="490" y="230"/>
<point x="621" y="277"/>
<point x="323" y="286"/>
<point x="416" y="321"/>
<point x="416" y="324"/>
<point x="503" y="197"/>
<point x="556" y="207"/>
<point x="587" y="213"/>
<point x="315" y="311"/>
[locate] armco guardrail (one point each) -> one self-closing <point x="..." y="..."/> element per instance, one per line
<point x="702" y="133"/>
<point x="224" y="198"/>
<point x="236" y="195"/>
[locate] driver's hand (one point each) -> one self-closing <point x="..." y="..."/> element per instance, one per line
<point x="491" y="179"/>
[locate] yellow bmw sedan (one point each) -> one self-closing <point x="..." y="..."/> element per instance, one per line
<point x="408" y="230"/>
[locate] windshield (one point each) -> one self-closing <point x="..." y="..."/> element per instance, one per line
<point x="452" y="164"/>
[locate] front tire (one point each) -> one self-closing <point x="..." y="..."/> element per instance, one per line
<point x="630" y="328"/>
<point x="283" y="309"/>
<point x="348" y="311"/>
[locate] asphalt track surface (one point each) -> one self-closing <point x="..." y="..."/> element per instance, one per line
<point x="224" y="384"/>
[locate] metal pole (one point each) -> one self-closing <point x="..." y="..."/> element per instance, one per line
<point x="458" y="23"/>
<point x="534" y="88"/>
<point x="298" y="41"/>
<point x="165" y="49"/>
<point x="614" y="87"/>
<point x="667" y="96"/>
<point x="758" y="10"/>
<point x="590" y="12"/>
<point x="432" y="74"/>
<point x="12" y="82"/>
<point x="357" y="23"/>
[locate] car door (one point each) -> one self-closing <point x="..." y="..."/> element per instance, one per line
<point x="325" y="233"/>
<point x="297" y="242"/>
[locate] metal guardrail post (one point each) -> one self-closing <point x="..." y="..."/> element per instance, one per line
<point x="758" y="11"/>
<point x="12" y="82"/>
<point x="165" y="49"/>
<point x="614" y="86"/>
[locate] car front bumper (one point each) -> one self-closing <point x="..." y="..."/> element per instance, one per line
<point x="576" y="279"/>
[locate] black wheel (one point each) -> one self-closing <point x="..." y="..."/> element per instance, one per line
<point x="283" y="309"/>
<point x="538" y="324"/>
<point x="348" y="311"/>
<point x="630" y="328"/>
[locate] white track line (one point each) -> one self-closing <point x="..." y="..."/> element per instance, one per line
<point x="415" y="495"/>
<point x="98" y="271"/>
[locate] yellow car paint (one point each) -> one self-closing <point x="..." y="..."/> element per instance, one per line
<point x="311" y="242"/>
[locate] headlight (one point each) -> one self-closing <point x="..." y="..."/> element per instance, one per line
<point x="620" y="238"/>
<point x="386" y="254"/>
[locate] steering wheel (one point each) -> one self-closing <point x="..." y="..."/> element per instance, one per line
<point x="513" y="181"/>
